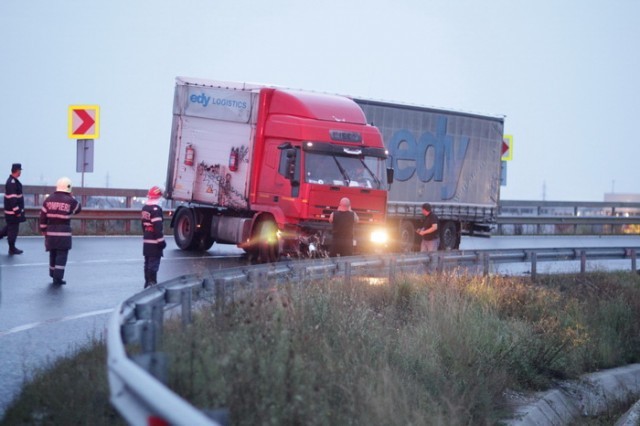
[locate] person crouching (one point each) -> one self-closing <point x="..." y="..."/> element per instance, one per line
<point x="152" y="236"/>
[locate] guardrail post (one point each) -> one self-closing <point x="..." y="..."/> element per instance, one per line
<point x="534" y="265"/>
<point x="185" y="300"/>
<point x="439" y="263"/>
<point x="347" y="273"/>
<point x="633" y="260"/>
<point x="392" y="271"/>
<point x="219" y="294"/>
<point x="583" y="261"/>
<point x="485" y="264"/>
<point x="148" y="336"/>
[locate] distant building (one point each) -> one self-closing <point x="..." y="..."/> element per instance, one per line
<point x="624" y="211"/>
<point x="621" y="198"/>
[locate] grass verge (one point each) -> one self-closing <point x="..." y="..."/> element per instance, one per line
<point x="437" y="349"/>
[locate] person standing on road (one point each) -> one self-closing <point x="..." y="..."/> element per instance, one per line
<point x="13" y="209"/>
<point x="342" y="221"/>
<point x="429" y="230"/>
<point x="153" y="242"/>
<point x="55" y="224"/>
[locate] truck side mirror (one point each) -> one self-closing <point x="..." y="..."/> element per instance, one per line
<point x="390" y="175"/>
<point x="291" y="166"/>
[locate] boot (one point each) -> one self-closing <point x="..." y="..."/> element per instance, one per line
<point x="14" y="250"/>
<point x="147" y="279"/>
<point x="59" y="281"/>
<point x="153" y="277"/>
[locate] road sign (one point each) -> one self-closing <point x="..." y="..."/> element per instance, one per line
<point x="84" y="121"/>
<point x="507" y="148"/>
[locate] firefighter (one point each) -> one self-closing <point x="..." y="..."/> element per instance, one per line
<point x="55" y="224"/>
<point x="13" y="209"/>
<point x="153" y="242"/>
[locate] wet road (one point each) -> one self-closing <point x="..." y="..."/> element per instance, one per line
<point x="40" y="322"/>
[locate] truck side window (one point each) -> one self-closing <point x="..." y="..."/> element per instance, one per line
<point x="289" y="168"/>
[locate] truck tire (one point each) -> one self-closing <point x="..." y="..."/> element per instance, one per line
<point x="184" y="229"/>
<point x="203" y="237"/>
<point x="204" y="242"/>
<point x="407" y="240"/>
<point x="449" y="235"/>
<point x="267" y="241"/>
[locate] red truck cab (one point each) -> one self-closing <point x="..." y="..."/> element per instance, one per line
<point x="311" y="150"/>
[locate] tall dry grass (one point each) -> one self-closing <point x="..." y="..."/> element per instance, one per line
<point x="427" y="350"/>
<point x="439" y="349"/>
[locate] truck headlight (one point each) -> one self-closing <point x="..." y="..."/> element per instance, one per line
<point x="379" y="236"/>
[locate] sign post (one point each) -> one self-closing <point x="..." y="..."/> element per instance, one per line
<point x="84" y="157"/>
<point x="84" y="125"/>
<point x="506" y="154"/>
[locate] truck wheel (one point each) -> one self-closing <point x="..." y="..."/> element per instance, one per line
<point x="203" y="237"/>
<point x="449" y="236"/>
<point x="204" y="242"/>
<point x="184" y="230"/>
<point x="407" y="240"/>
<point x="267" y="240"/>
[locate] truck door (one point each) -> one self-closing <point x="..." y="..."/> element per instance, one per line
<point x="279" y="183"/>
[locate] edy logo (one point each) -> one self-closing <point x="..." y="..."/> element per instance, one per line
<point x="432" y="157"/>
<point x="200" y="99"/>
<point x="215" y="101"/>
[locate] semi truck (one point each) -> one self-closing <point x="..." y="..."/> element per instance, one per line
<point x="263" y="168"/>
<point x="447" y="158"/>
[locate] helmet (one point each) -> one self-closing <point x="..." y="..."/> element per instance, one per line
<point x="63" y="184"/>
<point x="154" y="193"/>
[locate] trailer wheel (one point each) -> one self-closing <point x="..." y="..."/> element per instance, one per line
<point x="267" y="241"/>
<point x="407" y="240"/>
<point x="184" y="230"/>
<point x="449" y="236"/>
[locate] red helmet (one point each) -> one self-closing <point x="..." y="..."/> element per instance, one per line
<point x="154" y="193"/>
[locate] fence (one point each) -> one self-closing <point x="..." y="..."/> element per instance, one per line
<point x="137" y="382"/>
<point x="105" y="211"/>
<point x="111" y="211"/>
<point x="567" y="218"/>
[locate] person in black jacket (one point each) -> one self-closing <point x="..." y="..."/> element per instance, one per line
<point x="55" y="224"/>
<point x="153" y="242"/>
<point x="13" y="209"/>
<point x="429" y="230"/>
<point x="342" y="221"/>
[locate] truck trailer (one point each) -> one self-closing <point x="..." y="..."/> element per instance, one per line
<point x="263" y="168"/>
<point x="446" y="158"/>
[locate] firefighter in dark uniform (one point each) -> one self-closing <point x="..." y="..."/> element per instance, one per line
<point x="13" y="209"/>
<point x="153" y="242"/>
<point x="55" y="224"/>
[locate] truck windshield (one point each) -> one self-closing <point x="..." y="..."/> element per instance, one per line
<point x="357" y="171"/>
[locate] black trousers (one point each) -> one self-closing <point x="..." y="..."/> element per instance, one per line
<point x="151" y="263"/>
<point x="57" y="263"/>
<point x="341" y="247"/>
<point x="10" y="230"/>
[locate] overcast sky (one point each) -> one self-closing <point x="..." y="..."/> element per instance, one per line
<point x="565" y="73"/>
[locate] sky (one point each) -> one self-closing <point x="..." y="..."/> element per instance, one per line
<point x="565" y="74"/>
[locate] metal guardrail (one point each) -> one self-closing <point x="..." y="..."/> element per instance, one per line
<point x="137" y="381"/>
<point x="117" y="210"/>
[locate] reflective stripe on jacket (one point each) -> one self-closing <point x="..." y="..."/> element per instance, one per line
<point x="55" y="220"/>
<point x="152" y="232"/>
<point x="13" y="201"/>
